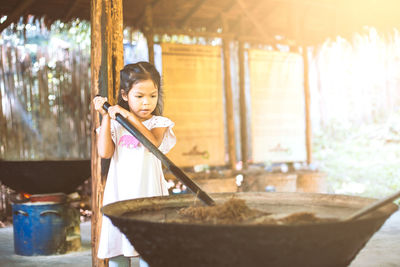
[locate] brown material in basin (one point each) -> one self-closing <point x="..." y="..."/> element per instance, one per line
<point x="323" y="243"/>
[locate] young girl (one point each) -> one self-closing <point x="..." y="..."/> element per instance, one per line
<point x="134" y="171"/>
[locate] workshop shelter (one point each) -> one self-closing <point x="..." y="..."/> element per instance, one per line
<point x="198" y="78"/>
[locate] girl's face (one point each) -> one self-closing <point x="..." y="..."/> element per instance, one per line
<point x="142" y="99"/>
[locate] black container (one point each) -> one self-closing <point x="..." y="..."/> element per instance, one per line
<point x="45" y="176"/>
<point x="183" y="244"/>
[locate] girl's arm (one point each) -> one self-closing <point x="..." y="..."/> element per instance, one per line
<point x="105" y="144"/>
<point x="155" y="135"/>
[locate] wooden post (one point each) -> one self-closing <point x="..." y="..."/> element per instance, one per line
<point x="117" y="42"/>
<point x="106" y="62"/>
<point x="307" y="105"/>
<point x="243" y="107"/>
<point x="148" y="32"/>
<point x="229" y="99"/>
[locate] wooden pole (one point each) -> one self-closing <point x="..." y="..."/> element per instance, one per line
<point x="97" y="181"/>
<point x="148" y="31"/>
<point x="229" y="100"/>
<point x="117" y="42"/>
<point x="243" y="107"/>
<point x="307" y="105"/>
<point x="106" y="62"/>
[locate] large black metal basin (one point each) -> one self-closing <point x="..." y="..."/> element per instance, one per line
<point x="46" y="176"/>
<point x="182" y="244"/>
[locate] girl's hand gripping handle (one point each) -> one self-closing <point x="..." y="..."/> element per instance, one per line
<point x="106" y="105"/>
<point x="203" y="196"/>
<point x="98" y="104"/>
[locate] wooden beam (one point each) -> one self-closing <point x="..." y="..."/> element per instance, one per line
<point x="256" y="39"/>
<point x="18" y="12"/>
<point x="229" y="101"/>
<point x="142" y="16"/>
<point x="267" y="13"/>
<point x="234" y="27"/>
<point x="217" y="19"/>
<point x="191" y="12"/>
<point x="260" y="40"/>
<point x="106" y="62"/>
<point x="148" y="30"/>
<point x="307" y="105"/>
<point x="239" y="21"/>
<point x="72" y="9"/>
<point x="252" y="19"/>
<point x="175" y="31"/>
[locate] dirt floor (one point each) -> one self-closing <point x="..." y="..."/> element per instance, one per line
<point x="382" y="250"/>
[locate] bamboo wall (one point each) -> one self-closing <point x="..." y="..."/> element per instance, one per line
<point x="45" y="100"/>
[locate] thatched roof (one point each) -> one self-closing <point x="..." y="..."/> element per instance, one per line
<point x="288" y="21"/>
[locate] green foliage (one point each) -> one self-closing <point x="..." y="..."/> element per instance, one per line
<point x="361" y="159"/>
<point x="75" y="32"/>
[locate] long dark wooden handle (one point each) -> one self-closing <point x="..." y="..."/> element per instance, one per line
<point x="374" y="206"/>
<point x="189" y="183"/>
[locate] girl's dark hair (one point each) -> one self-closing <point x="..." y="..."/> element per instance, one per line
<point x="134" y="73"/>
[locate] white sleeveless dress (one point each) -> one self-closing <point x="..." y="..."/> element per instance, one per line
<point x="134" y="173"/>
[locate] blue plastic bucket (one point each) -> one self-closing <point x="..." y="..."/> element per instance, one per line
<point x="39" y="228"/>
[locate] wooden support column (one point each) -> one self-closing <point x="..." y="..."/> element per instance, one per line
<point x="106" y="62"/>
<point x="307" y="105"/>
<point x="243" y="106"/>
<point x="148" y="30"/>
<point x="117" y="44"/>
<point x="229" y="98"/>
